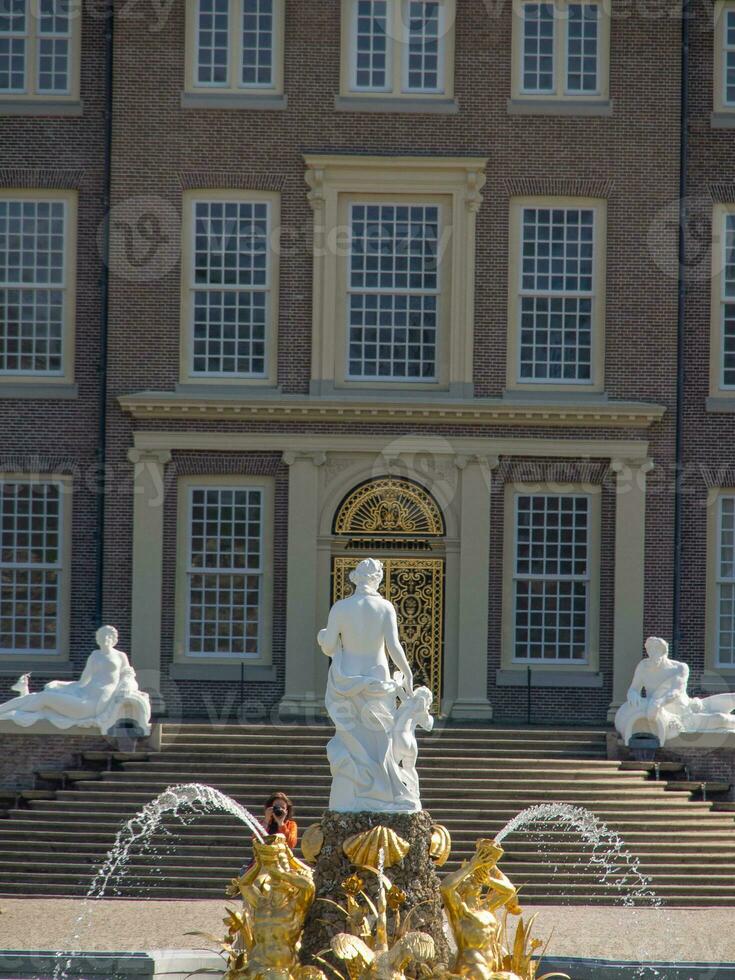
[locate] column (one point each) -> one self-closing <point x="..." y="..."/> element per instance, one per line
<point x="630" y="573"/>
<point x="474" y="580"/>
<point x="148" y="511"/>
<point x="300" y="696"/>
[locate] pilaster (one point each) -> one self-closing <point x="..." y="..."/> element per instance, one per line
<point x="148" y="511"/>
<point x="630" y="572"/>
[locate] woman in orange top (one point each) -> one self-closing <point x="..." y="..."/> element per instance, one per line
<point x="279" y="818"/>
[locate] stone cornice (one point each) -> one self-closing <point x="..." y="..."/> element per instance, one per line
<point x="429" y="411"/>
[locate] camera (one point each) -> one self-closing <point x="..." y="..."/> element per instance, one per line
<point x="279" y="810"/>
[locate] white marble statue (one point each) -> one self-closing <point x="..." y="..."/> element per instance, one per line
<point x="373" y="752"/>
<point x="666" y="709"/>
<point x="106" y="693"/>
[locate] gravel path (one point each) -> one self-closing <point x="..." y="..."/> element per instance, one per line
<point x="674" y="935"/>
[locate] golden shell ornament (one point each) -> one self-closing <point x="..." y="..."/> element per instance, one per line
<point x="440" y="845"/>
<point x="364" y="849"/>
<point x="312" y="842"/>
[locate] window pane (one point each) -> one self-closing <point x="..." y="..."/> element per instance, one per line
<point x="728" y="306"/>
<point x="13" y="30"/>
<point x="393" y="292"/>
<point x="225" y="571"/>
<point x="213" y="42"/>
<point x="257" y="42"/>
<point x="423" y="46"/>
<point x="31" y="286"/>
<point x="582" y="47"/>
<point x="230" y="287"/>
<point x="557" y="267"/>
<point x="371" y="67"/>
<point x="30" y="563"/>
<point x="729" y="58"/>
<point x="551" y="577"/>
<point x="538" y="47"/>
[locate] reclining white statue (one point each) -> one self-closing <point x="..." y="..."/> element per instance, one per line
<point x="373" y="752"/>
<point x="666" y="710"/>
<point x="106" y="693"/>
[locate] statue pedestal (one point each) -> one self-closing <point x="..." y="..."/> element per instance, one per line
<point x="415" y="875"/>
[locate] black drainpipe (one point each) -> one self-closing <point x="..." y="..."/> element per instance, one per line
<point x="680" y="357"/>
<point x="101" y="452"/>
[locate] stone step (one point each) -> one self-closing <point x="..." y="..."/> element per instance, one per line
<point x="694" y="786"/>
<point x="440" y="729"/>
<point x="633" y="765"/>
<point x="537" y="749"/>
<point x="543" y="768"/>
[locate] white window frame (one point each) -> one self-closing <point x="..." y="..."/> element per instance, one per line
<point x="514" y="491"/>
<point x="397" y="55"/>
<point x="560" y="89"/>
<point x="719" y="57"/>
<point x="31" y="90"/>
<point x="65" y="375"/>
<point x="720" y="580"/>
<point x="189" y="287"/>
<point x="30" y="655"/>
<point x="438" y="293"/>
<point x="234" y="83"/>
<point x="596" y="381"/>
<point x="182" y="647"/>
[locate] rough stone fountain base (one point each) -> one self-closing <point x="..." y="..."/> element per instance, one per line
<point x="415" y="875"/>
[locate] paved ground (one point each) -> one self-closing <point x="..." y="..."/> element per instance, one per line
<point x="674" y="935"/>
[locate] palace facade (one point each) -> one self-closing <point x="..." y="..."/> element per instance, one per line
<point x="284" y="284"/>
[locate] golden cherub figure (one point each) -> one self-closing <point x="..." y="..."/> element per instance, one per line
<point x="277" y="890"/>
<point x="472" y="895"/>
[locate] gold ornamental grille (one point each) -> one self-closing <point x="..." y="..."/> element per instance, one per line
<point x="415" y="586"/>
<point x="389" y="506"/>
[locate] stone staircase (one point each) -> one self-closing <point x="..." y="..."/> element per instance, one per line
<point x="473" y="781"/>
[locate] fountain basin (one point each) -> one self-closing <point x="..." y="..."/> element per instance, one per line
<point x="590" y="969"/>
<point x="166" y="964"/>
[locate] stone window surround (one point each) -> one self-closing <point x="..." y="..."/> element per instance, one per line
<point x="186" y="377"/>
<point x="560" y="102"/>
<point x="61" y="657"/>
<point x="333" y="178"/>
<point x="234" y="96"/>
<point x="46" y="103"/>
<point x="322" y="468"/>
<point x="350" y="98"/>
<point x="183" y="485"/>
<point x="723" y="113"/>
<point x="597" y="381"/>
<point x="719" y="397"/>
<point x="43" y="385"/>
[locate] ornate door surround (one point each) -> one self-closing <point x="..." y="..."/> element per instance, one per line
<point x="398" y="521"/>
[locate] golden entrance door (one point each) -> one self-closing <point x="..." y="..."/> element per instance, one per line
<point x="415" y="586"/>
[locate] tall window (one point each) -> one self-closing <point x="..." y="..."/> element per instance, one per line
<point x="225" y="571"/>
<point x="34" y="285"/>
<point x="556" y="295"/>
<point x="728" y="64"/>
<point x="551" y="577"/>
<point x="230" y="288"/>
<point x="398" y="47"/>
<point x="30" y="566"/>
<point x="727" y="304"/>
<point x="393" y="292"/>
<point x="726" y="582"/>
<point x="237" y="45"/>
<point x="38" y="48"/>
<point x="561" y="50"/>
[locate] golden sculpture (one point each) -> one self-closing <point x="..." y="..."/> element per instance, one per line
<point x="373" y="951"/>
<point x="264" y="939"/>
<point x="364" y="849"/>
<point x="312" y="842"/>
<point x="440" y="846"/>
<point x="472" y="895"/>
